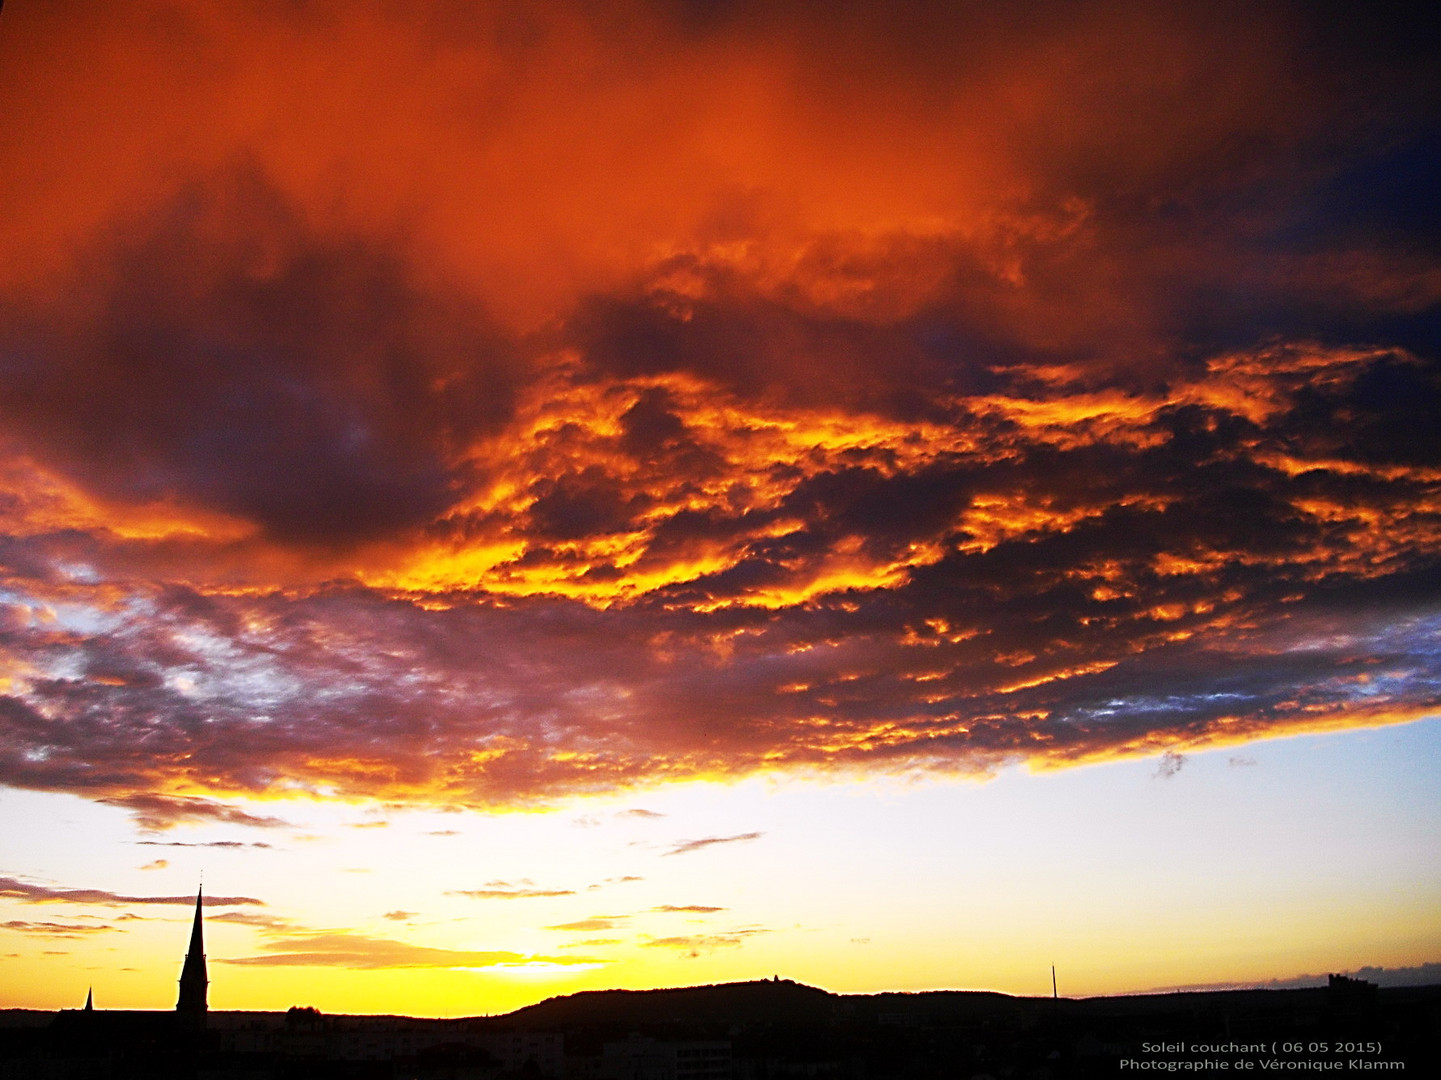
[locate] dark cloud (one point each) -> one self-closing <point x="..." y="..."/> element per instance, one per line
<point x="1170" y="764"/>
<point x="239" y="363"/>
<point x="1021" y="382"/>
<point x="580" y="506"/>
<point x="160" y="812"/>
<point x="685" y="846"/>
<point x="226" y="844"/>
<point x="54" y="929"/>
<point x="25" y="892"/>
<point x="1268" y="574"/>
<point x="1425" y="974"/>
<point x="755" y="346"/>
<point x="1420" y="975"/>
<point x="625" y="879"/>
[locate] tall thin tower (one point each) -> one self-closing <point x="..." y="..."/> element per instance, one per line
<point x="193" y="981"/>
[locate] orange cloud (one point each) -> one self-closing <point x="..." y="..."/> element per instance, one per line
<point x="694" y="945"/>
<point x="478" y="405"/>
<point x="699" y="909"/>
<point x="600" y="922"/>
<point x="362" y="953"/>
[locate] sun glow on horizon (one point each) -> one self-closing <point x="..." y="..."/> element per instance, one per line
<point x="545" y="497"/>
<point x="707" y="898"/>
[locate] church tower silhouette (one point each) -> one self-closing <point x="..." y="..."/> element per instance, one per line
<point x="193" y="981"/>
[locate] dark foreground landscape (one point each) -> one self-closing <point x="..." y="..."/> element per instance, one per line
<point x="758" y="1031"/>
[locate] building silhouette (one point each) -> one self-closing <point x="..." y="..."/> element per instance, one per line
<point x="191" y="1003"/>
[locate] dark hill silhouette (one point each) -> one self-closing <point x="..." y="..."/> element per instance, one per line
<point x="769" y="1001"/>
<point x="778" y="1001"/>
<point x="775" y="1029"/>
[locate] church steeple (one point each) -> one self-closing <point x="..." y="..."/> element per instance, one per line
<point x="193" y="981"/>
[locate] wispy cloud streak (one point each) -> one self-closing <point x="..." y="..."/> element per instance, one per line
<point x="54" y="929"/>
<point x="14" y="889"/>
<point x="361" y="952"/>
<point x="684" y="847"/>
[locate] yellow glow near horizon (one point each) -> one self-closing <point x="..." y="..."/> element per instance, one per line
<point x="969" y="886"/>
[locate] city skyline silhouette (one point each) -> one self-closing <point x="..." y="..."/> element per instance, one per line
<point x="525" y="500"/>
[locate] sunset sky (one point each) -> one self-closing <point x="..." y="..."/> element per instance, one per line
<point x="529" y="497"/>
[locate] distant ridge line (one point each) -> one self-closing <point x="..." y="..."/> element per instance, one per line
<point x="772" y="1000"/>
<point x="781" y="1001"/>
